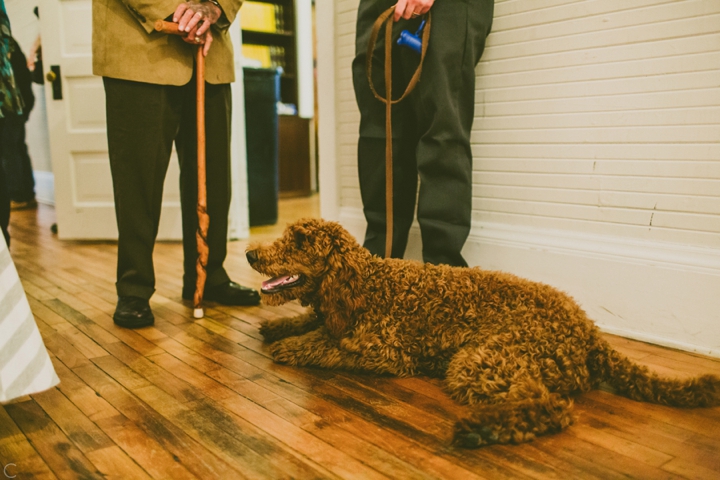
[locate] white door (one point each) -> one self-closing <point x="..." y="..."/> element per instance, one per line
<point x="76" y="119"/>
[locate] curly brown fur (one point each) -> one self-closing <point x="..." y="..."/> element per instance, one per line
<point x="514" y="351"/>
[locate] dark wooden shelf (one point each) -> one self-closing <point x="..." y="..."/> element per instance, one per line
<point x="270" y="34"/>
<point x="294" y="132"/>
<point x="284" y="39"/>
<point x="294" y="156"/>
<point x="277" y="2"/>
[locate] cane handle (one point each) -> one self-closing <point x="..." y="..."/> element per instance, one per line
<point x="170" y="28"/>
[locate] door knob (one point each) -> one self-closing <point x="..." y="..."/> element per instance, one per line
<point x="53" y="77"/>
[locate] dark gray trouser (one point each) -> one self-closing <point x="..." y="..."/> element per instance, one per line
<point x="16" y="160"/>
<point x="431" y="129"/>
<point x="143" y="120"/>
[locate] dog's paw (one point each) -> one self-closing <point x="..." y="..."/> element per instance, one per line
<point x="272" y="331"/>
<point x="282" y="352"/>
<point x="266" y="330"/>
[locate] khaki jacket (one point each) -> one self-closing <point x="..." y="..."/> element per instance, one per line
<point x="126" y="46"/>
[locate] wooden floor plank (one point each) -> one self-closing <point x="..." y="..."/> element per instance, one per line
<point x="82" y="431"/>
<point x="56" y="449"/>
<point x="195" y="457"/>
<point x="689" y="469"/>
<point x="147" y="452"/>
<point x="108" y="458"/>
<point x="664" y="437"/>
<point x="695" y="420"/>
<point x="606" y="463"/>
<point x="609" y="441"/>
<point x="16" y="452"/>
<point x="307" y="445"/>
<point x="298" y="417"/>
<point x="227" y="436"/>
<point x="113" y="462"/>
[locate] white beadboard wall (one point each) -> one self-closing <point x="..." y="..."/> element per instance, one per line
<point x="596" y="149"/>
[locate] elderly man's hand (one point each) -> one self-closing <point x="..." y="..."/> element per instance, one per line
<point x="408" y="9"/>
<point x="205" y="40"/>
<point x="195" y="19"/>
<point x="189" y="15"/>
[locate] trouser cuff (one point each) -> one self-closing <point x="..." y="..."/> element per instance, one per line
<point x="127" y="290"/>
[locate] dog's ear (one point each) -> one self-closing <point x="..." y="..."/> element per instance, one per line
<point x="302" y="236"/>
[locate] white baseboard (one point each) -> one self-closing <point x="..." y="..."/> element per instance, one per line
<point x="45" y="187"/>
<point x="659" y="340"/>
<point x="659" y="293"/>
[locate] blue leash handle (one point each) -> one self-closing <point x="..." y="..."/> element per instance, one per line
<point x="410" y="40"/>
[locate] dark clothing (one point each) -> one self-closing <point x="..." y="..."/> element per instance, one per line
<point x="16" y="160"/>
<point x="431" y="129"/>
<point x="23" y="77"/>
<point x="143" y="120"/>
<point x="10" y="103"/>
<point x="4" y="195"/>
<point x="13" y="149"/>
<point x="10" y="100"/>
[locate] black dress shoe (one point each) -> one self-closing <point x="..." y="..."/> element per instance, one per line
<point x="133" y="312"/>
<point x="228" y="293"/>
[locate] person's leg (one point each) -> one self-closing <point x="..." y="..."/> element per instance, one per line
<point x="16" y="161"/>
<point x="4" y="207"/>
<point x="371" y="171"/>
<point x="371" y="142"/>
<point x="218" y="112"/>
<point x="444" y="102"/>
<point x="142" y="120"/>
<point x="4" y="196"/>
<point x="27" y="181"/>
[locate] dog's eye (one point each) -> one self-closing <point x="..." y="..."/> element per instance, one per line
<point x="300" y="239"/>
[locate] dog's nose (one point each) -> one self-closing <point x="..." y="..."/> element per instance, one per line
<point x="251" y="256"/>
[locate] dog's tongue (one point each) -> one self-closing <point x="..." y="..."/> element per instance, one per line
<point x="279" y="281"/>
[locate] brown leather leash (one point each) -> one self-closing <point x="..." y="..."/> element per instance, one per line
<point x="386" y="18"/>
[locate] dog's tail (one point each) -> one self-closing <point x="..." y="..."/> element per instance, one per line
<point x="637" y="382"/>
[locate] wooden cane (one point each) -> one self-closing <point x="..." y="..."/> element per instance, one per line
<point x="203" y="217"/>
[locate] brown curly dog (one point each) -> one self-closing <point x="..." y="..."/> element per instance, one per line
<point x="514" y="351"/>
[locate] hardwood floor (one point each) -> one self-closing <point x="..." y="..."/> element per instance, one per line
<point x="202" y="399"/>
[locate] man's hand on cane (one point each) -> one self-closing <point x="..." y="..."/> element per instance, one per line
<point x="408" y="9"/>
<point x="196" y="19"/>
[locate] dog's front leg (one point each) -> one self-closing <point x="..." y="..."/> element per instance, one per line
<point x="316" y="348"/>
<point x="320" y="349"/>
<point x="273" y="330"/>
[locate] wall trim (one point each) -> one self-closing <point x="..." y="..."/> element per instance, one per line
<point x="685" y="257"/>
<point x="659" y="340"/>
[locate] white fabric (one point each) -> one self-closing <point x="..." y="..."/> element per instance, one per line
<point x="25" y="365"/>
